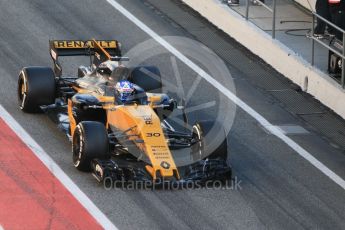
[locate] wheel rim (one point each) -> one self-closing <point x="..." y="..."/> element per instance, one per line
<point x="22" y="91"/>
<point x="76" y="150"/>
<point x="197" y="148"/>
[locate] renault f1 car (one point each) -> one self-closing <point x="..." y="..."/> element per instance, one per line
<point x="122" y="141"/>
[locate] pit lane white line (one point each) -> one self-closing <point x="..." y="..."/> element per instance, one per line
<point x="265" y="123"/>
<point x="56" y="170"/>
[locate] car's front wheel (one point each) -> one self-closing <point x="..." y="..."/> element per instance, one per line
<point x="211" y="141"/>
<point x="90" y="141"/>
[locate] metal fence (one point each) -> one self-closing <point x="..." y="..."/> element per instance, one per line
<point x="328" y="46"/>
<point x="340" y="52"/>
<point x="273" y="10"/>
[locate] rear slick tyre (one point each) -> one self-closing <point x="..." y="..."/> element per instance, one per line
<point x="36" y="87"/>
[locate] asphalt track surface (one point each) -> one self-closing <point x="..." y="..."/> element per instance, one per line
<point x="279" y="189"/>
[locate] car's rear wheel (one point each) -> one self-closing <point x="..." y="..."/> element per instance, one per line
<point x="36" y="87"/>
<point x="90" y="141"/>
<point x="212" y="141"/>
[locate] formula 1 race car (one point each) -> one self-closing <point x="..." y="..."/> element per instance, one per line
<point x="124" y="140"/>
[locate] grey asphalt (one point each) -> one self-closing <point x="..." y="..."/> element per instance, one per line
<point x="278" y="189"/>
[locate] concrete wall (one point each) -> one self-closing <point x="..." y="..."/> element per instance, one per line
<point x="309" y="4"/>
<point x="283" y="59"/>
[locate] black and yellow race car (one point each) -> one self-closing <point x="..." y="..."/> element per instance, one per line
<point x="131" y="140"/>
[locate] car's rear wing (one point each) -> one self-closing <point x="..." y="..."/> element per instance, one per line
<point x="102" y="49"/>
<point x="82" y="48"/>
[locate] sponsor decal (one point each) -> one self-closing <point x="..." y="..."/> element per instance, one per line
<point x="148" y="120"/>
<point x="83" y="44"/>
<point x="153" y="134"/>
<point x="160" y="152"/>
<point x="165" y="165"/>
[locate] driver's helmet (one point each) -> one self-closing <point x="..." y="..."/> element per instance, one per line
<point x="124" y="91"/>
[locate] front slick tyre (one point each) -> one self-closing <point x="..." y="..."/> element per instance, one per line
<point x="212" y="141"/>
<point x="90" y="141"/>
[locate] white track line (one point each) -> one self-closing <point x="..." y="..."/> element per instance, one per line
<point x="56" y="170"/>
<point x="271" y="128"/>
